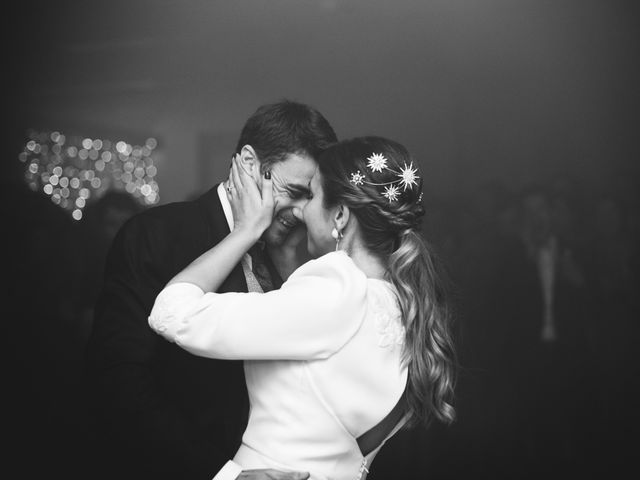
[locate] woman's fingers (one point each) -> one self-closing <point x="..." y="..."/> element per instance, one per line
<point x="251" y="199"/>
<point x="266" y="192"/>
<point x="245" y="177"/>
<point x="236" y="180"/>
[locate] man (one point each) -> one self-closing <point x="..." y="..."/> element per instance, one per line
<point x="153" y="399"/>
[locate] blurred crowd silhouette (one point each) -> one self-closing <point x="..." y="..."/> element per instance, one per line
<point x="544" y="281"/>
<point x="53" y="268"/>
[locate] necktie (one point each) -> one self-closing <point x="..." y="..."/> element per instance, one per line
<point x="263" y="269"/>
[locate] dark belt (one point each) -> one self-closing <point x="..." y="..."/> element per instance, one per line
<point x="373" y="438"/>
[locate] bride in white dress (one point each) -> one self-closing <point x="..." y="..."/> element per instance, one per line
<point x="355" y="344"/>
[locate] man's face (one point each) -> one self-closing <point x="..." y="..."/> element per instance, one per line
<point x="290" y="178"/>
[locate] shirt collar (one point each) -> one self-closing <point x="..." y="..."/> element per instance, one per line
<point x="226" y="206"/>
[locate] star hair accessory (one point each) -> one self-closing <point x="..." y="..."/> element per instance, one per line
<point x="377" y="162"/>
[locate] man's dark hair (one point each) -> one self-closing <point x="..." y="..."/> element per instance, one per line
<point x="286" y="127"/>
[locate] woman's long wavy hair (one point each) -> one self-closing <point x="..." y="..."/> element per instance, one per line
<point x="390" y="229"/>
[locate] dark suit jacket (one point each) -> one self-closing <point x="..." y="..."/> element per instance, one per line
<point x="161" y="412"/>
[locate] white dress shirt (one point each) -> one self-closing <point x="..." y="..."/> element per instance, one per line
<point x="323" y="362"/>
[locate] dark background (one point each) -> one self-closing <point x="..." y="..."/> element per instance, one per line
<point x="522" y="114"/>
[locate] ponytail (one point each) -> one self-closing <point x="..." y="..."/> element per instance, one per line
<point x="428" y="352"/>
<point x="376" y="179"/>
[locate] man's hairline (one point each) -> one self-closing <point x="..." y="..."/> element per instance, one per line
<point x="284" y="156"/>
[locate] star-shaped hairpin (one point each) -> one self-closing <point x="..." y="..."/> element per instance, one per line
<point x="391" y="192"/>
<point x="357" y="178"/>
<point x="408" y="176"/>
<point x="377" y="162"/>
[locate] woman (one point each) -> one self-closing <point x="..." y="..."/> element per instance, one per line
<point x="355" y="344"/>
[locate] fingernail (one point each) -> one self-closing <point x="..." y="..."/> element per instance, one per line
<point x="267" y="175"/>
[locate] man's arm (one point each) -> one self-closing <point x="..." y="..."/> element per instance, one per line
<point x="146" y="434"/>
<point x="142" y="423"/>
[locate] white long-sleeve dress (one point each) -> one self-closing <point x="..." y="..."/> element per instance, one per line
<point x="322" y="361"/>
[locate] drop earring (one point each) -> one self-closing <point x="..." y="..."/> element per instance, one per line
<point x="336" y="235"/>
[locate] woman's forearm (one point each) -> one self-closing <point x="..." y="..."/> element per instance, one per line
<point x="210" y="269"/>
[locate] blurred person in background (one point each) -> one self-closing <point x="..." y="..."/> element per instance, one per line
<point x="41" y="267"/>
<point x="614" y="285"/>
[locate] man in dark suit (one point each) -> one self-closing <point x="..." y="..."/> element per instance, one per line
<point x="162" y="413"/>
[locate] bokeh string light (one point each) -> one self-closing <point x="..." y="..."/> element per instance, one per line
<point x="75" y="171"/>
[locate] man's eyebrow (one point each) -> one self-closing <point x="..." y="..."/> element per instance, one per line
<point x="298" y="188"/>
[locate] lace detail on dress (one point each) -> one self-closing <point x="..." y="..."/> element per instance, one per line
<point x="162" y="316"/>
<point x="390" y="330"/>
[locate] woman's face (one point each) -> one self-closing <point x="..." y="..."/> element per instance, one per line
<point x="318" y="220"/>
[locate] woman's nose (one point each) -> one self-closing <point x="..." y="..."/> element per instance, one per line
<point x="298" y="213"/>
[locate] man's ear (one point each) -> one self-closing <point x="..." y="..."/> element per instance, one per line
<point x="341" y="217"/>
<point x="249" y="161"/>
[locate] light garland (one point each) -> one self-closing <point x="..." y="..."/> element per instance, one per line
<point x="75" y="171"/>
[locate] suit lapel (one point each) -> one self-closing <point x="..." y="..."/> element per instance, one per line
<point x="218" y="228"/>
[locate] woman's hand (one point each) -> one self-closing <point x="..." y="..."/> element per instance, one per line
<point x="252" y="205"/>
<point x="252" y="211"/>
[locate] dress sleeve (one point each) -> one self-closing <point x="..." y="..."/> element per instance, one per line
<point x="315" y="312"/>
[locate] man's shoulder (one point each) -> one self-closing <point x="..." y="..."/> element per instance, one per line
<point x="170" y="216"/>
<point x="167" y="211"/>
<point x="185" y="214"/>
